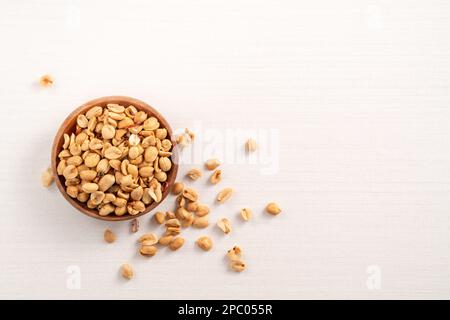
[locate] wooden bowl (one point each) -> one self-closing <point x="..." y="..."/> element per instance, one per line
<point x="69" y="125"/>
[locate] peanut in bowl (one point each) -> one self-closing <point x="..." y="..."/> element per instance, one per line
<point x="114" y="158"/>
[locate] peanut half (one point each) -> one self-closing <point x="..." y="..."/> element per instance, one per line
<point x="201" y="222"/>
<point x="134" y="225"/>
<point x="165" y="240"/>
<point x="148" y="242"/>
<point x="126" y="271"/>
<point x="237" y="265"/>
<point x="46" y="80"/>
<point x="234" y="253"/>
<point x="235" y="262"/>
<point x="202" y="210"/>
<point x="212" y="164"/>
<point x="47" y="178"/>
<point x="148" y="250"/>
<point x="216" y="177"/>
<point x="246" y="214"/>
<point x="273" y="208"/>
<point x="204" y="243"/>
<point x="176" y="243"/>
<point x="194" y="173"/>
<point x="224" y="195"/>
<point x="186" y="138"/>
<point x="160" y="217"/>
<point x="109" y="236"/>
<point x="224" y="225"/>
<point x="177" y="188"/>
<point x="190" y="194"/>
<point x="251" y="145"/>
<point x="149" y="238"/>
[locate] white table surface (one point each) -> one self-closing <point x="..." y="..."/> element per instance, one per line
<point x="353" y="94"/>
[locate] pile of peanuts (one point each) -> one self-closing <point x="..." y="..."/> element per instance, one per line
<point x="117" y="161"/>
<point x="191" y="212"/>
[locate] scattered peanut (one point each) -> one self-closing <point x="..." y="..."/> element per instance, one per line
<point x="47" y="178"/>
<point x="234" y="253"/>
<point x="204" y="243"/>
<point x="186" y="138"/>
<point x="212" y="164"/>
<point x="170" y="215"/>
<point x="173" y="223"/>
<point x="173" y="231"/>
<point x="216" y="177"/>
<point x="246" y="214"/>
<point x="192" y="206"/>
<point x="109" y="236"/>
<point x="186" y="223"/>
<point x="236" y="263"/>
<point x="46" y="80"/>
<point x="190" y="134"/>
<point x="224" y="225"/>
<point x="273" y="208"/>
<point x="177" y="188"/>
<point x="224" y="195"/>
<point x="134" y="225"/>
<point x="127" y="271"/>
<point x="148" y="250"/>
<point x="160" y="217"/>
<point x="251" y="145"/>
<point x="190" y="194"/>
<point x="202" y="210"/>
<point x="201" y="222"/>
<point x="149" y="239"/>
<point x="176" y="243"/>
<point x="165" y="240"/>
<point x="194" y="174"/>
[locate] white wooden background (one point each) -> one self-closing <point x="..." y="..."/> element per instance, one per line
<point x="358" y="92"/>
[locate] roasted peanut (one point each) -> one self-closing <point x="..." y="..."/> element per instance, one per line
<point x="47" y="178"/>
<point x="176" y="243"/>
<point x="224" y="195"/>
<point x="134" y="226"/>
<point x="126" y="271"/>
<point x="237" y="265"/>
<point x="273" y="208"/>
<point x="148" y="250"/>
<point x="202" y="210"/>
<point x="224" y="225"/>
<point x="109" y="236"/>
<point x="194" y="174"/>
<point x="149" y="238"/>
<point x="46" y="80"/>
<point x="204" y="243"/>
<point x="190" y="194"/>
<point x="201" y="222"/>
<point x="177" y="188"/>
<point x="246" y="214"/>
<point x="216" y="177"/>
<point x="212" y="164"/>
<point x="160" y="217"/>
<point x="165" y="240"/>
<point x="251" y="145"/>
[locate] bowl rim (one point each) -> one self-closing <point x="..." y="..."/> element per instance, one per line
<point x="102" y="101"/>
